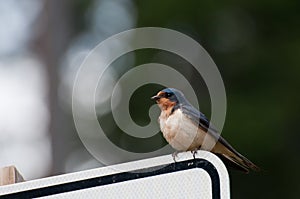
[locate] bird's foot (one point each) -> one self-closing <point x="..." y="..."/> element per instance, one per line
<point x="174" y="155"/>
<point x="194" y="152"/>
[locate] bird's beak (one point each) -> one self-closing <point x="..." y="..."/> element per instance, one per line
<point x="155" y="97"/>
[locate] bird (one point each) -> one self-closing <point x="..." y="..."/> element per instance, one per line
<point x="185" y="128"/>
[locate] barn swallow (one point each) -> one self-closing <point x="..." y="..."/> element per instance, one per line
<point x="187" y="129"/>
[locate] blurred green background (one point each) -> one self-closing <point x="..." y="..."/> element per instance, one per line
<point x="255" y="44"/>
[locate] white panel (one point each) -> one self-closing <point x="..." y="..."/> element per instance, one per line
<point x="193" y="183"/>
<point x="181" y="184"/>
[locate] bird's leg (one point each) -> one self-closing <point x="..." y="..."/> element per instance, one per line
<point x="174" y="155"/>
<point x="194" y="152"/>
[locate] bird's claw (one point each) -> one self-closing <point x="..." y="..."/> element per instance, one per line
<point x="194" y="152"/>
<point x="174" y="155"/>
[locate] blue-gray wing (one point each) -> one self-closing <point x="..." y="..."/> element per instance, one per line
<point x="201" y="120"/>
<point x="197" y="117"/>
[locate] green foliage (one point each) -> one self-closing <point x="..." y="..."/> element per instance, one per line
<point x="256" y="46"/>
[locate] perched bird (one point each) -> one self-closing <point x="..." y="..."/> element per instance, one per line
<point x="187" y="129"/>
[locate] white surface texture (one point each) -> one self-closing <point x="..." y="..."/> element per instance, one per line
<point x="192" y="183"/>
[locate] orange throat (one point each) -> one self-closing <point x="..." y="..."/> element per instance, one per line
<point x="166" y="105"/>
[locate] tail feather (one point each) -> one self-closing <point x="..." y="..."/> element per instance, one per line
<point x="231" y="164"/>
<point x="240" y="162"/>
<point x="233" y="158"/>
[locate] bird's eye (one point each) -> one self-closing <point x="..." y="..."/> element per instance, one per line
<point x="168" y="94"/>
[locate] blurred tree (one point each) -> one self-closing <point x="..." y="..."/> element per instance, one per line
<point x="56" y="27"/>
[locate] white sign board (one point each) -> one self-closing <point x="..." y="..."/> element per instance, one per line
<point x="160" y="177"/>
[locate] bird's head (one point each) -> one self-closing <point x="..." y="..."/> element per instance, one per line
<point x="169" y="97"/>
